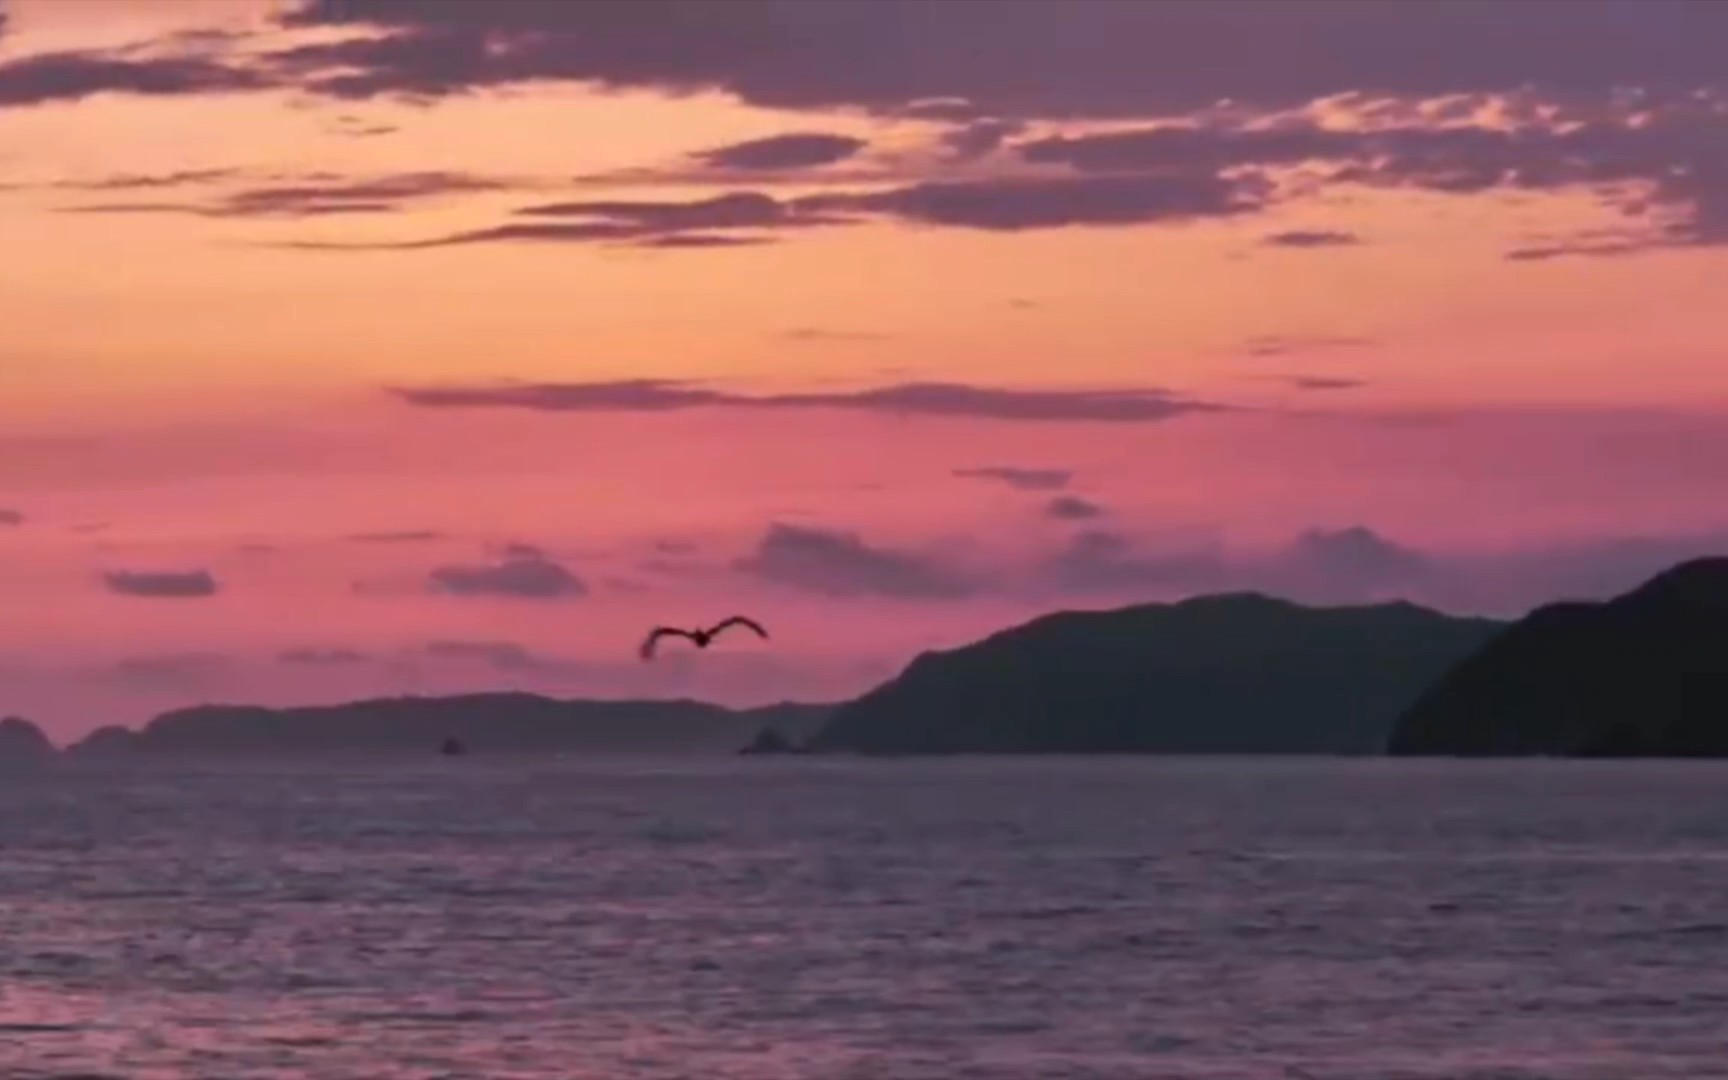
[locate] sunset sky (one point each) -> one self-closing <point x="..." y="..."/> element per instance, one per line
<point x="352" y="347"/>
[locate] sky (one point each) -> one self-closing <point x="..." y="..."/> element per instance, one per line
<point x="359" y="347"/>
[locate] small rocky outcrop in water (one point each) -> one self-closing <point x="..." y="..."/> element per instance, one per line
<point x="1642" y="675"/>
<point x="769" y="741"/>
<point x="22" y="741"/>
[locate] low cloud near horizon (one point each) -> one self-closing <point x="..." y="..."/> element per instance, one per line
<point x="170" y="584"/>
<point x="904" y="399"/>
<point x="525" y="575"/>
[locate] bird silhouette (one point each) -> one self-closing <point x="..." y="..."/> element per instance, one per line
<point x="701" y="637"/>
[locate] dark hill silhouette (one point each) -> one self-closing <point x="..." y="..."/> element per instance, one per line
<point x="1240" y="673"/>
<point x="22" y="741"/>
<point x="1644" y="674"/>
<point x="483" y="723"/>
<point x="769" y="741"/>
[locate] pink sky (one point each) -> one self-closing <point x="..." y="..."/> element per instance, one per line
<point x="304" y="320"/>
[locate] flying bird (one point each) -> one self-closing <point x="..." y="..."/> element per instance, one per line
<point x="701" y="637"/>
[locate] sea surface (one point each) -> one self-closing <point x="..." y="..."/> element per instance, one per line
<point x="798" y="919"/>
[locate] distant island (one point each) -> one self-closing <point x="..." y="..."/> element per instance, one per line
<point x="1642" y="675"/>
<point x="1229" y="674"/>
<point x="503" y="723"/>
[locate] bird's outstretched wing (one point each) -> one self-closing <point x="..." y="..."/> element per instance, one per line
<point x="656" y="634"/>
<point x="739" y="620"/>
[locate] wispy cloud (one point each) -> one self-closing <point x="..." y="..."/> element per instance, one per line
<point x="842" y="564"/>
<point x="1073" y="508"/>
<point x="381" y="194"/>
<point x="1016" y="476"/>
<point x="1284" y="344"/>
<point x="817" y="333"/>
<point x="905" y="399"/>
<point x="794" y="150"/>
<point x="322" y="657"/>
<point x="1008" y="204"/>
<point x="149" y="181"/>
<point x="1311" y="238"/>
<point x="169" y="584"/>
<point x="519" y="576"/>
<point x="1016" y="204"/>
<point x="506" y="656"/>
<point x="402" y="536"/>
<point x="170" y="672"/>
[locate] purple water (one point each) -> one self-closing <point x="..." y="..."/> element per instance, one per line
<point x="887" y="920"/>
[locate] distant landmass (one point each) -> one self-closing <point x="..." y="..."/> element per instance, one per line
<point x="503" y="723"/>
<point x="1238" y="673"/>
<point x="22" y="742"/>
<point x="1642" y="675"/>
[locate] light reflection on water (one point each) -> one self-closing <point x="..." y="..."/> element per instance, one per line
<point x="881" y="920"/>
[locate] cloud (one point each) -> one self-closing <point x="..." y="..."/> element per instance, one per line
<point x="1282" y="344"/>
<point x="402" y="536"/>
<point x="147" y="181"/>
<point x="795" y="150"/>
<point x="644" y="223"/>
<point x="1442" y="97"/>
<point x="739" y="209"/>
<point x="162" y="584"/>
<point x="354" y="127"/>
<point x="1358" y="564"/>
<point x="1043" y="58"/>
<point x="1323" y="382"/>
<point x="979" y="138"/>
<point x="171" y="672"/>
<point x="1575" y="249"/>
<point x="1013" y="204"/>
<point x="842" y="565"/>
<point x="1103" y="561"/>
<point x="1311" y="238"/>
<point x="528" y="577"/>
<point x="1007" y="204"/>
<point x="1072" y="508"/>
<point x="10" y="519"/>
<point x="73" y="76"/>
<point x="1018" y="477"/>
<point x="1660" y="161"/>
<point x="380" y="194"/>
<point x="316" y="657"/>
<point x="816" y="333"/>
<point x="1350" y="562"/>
<point x="904" y="399"/>
<point x="1325" y="566"/>
<point x="507" y="656"/>
<point x="701" y="241"/>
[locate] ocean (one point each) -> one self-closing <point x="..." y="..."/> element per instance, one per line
<point x="820" y="919"/>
